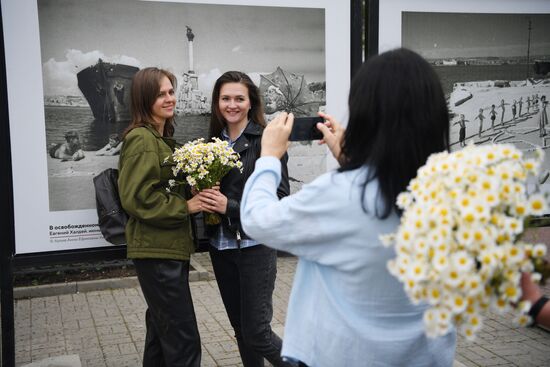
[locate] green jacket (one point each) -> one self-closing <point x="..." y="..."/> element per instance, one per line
<point x="160" y="224"/>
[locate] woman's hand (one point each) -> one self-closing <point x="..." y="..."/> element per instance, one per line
<point x="195" y="191"/>
<point x="194" y="205"/>
<point x="530" y="291"/>
<point x="213" y="200"/>
<point x="333" y="134"/>
<point x="275" y="136"/>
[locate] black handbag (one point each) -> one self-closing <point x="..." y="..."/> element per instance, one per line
<point x="111" y="216"/>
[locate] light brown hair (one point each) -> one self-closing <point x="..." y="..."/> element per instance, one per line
<point x="256" y="113"/>
<point x="144" y="92"/>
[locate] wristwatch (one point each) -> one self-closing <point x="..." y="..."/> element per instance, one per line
<point x="536" y="308"/>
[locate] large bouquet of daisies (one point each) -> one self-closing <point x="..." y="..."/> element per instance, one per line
<point x="204" y="165"/>
<point x="458" y="244"/>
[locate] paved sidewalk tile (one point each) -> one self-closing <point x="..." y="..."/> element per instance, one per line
<point x="106" y="328"/>
<point x="63" y="361"/>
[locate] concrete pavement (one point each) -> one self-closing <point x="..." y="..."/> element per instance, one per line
<point x="101" y="324"/>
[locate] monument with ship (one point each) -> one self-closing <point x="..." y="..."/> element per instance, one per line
<point x="106" y="87"/>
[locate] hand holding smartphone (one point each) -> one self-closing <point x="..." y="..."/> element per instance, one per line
<point x="305" y="129"/>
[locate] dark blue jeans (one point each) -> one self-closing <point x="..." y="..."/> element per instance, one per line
<point x="172" y="338"/>
<point x="246" y="279"/>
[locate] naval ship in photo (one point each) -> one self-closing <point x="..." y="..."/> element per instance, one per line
<point x="106" y="87"/>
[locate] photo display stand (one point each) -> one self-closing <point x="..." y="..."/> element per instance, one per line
<point x="492" y="58"/>
<point x="63" y="76"/>
<point x="7" y="244"/>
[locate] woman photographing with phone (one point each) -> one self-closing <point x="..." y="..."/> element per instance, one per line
<point x="245" y="269"/>
<point x="345" y="308"/>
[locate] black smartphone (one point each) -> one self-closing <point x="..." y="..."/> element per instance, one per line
<point x="305" y="128"/>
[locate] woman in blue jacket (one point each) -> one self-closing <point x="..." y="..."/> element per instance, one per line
<point x="345" y="308"/>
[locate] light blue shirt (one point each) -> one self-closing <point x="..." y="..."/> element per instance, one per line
<point x="345" y="309"/>
<point x="220" y="241"/>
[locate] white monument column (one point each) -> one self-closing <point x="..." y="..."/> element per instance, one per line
<point x="190" y="37"/>
<point x="191" y="56"/>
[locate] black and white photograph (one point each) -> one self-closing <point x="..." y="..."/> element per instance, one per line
<point x="495" y="71"/>
<point x="69" y="66"/>
<point x="91" y="49"/>
<point x="492" y="58"/>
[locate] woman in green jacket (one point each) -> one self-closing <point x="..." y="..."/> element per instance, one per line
<point x="158" y="233"/>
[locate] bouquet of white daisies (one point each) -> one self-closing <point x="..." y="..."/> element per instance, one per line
<point x="204" y="165"/>
<point x="458" y="245"/>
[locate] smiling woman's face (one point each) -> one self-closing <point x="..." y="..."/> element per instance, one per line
<point x="164" y="105"/>
<point x="234" y="104"/>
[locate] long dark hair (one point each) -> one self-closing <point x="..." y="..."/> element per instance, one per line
<point x="144" y="93"/>
<point x="256" y="113"/>
<point x="397" y="117"/>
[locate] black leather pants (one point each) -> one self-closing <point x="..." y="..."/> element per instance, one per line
<point x="172" y="338"/>
<point x="246" y="279"/>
